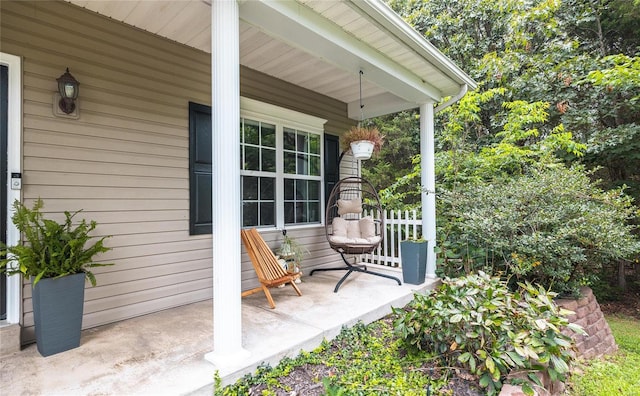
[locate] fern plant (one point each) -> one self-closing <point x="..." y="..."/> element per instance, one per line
<point x="51" y="249"/>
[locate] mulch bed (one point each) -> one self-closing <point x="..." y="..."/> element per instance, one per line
<point x="629" y="305"/>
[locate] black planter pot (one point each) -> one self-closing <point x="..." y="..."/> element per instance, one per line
<point x="57" y="312"/>
<point x="414" y="261"/>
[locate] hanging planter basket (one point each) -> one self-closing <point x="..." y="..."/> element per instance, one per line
<point x="362" y="149"/>
<point x="362" y="141"/>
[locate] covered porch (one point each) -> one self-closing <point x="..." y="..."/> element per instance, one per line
<point x="125" y="158"/>
<point x="163" y="353"/>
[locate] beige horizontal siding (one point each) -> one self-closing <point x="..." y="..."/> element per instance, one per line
<point x="62" y="178"/>
<point x="92" y="167"/>
<point x="259" y="86"/>
<point x="124" y="162"/>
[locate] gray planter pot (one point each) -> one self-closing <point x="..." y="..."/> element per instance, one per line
<point x="57" y="313"/>
<point x="414" y="261"/>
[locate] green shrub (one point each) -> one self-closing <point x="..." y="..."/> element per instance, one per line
<point x="553" y="227"/>
<point x="477" y="323"/>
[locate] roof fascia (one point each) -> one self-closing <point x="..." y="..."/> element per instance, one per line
<point x="393" y="23"/>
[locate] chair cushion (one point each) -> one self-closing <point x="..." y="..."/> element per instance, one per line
<point x="353" y="229"/>
<point x="338" y="240"/>
<point x="339" y="227"/>
<point x="349" y="206"/>
<point x="354" y="232"/>
<point x="364" y="228"/>
<point x="367" y="227"/>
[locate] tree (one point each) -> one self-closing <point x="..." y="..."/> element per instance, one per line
<point x="558" y="83"/>
<point x="614" y="144"/>
<point x="402" y="142"/>
<point x="553" y="52"/>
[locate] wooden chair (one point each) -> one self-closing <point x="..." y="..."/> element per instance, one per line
<point x="270" y="272"/>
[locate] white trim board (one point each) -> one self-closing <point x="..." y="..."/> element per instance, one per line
<point x="14" y="164"/>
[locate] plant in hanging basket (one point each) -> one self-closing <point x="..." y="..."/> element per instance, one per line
<point x="356" y="134"/>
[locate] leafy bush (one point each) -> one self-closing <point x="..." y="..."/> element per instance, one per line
<point x="552" y="227"/>
<point x="476" y="322"/>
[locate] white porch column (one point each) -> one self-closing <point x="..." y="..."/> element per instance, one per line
<point x="225" y="124"/>
<point x="428" y="182"/>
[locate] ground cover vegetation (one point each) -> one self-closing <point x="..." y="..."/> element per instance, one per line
<point x="477" y="323"/>
<point x="464" y="338"/>
<point x="371" y="360"/>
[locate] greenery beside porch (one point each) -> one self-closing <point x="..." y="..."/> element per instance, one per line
<point x="367" y="360"/>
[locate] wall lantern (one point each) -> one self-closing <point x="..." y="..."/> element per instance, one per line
<point x="68" y="88"/>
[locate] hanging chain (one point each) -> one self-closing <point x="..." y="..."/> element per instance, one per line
<point x="361" y="104"/>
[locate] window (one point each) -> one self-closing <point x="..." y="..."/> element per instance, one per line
<point x="301" y="157"/>
<point x="258" y="169"/>
<point x="281" y="164"/>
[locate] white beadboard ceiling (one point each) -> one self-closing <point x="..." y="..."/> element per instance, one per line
<point x="320" y="45"/>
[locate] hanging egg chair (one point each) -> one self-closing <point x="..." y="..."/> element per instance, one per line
<point x="354" y="224"/>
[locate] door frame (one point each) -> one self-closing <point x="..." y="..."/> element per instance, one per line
<point x="14" y="165"/>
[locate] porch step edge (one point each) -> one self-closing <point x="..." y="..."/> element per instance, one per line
<point x="315" y="341"/>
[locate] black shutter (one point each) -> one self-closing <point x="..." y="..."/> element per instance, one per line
<point x="4" y="103"/>
<point x="200" y="169"/>
<point x="331" y="165"/>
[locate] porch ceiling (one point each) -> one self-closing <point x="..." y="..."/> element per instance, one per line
<point x="316" y="44"/>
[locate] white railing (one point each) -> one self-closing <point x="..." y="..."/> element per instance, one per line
<point x="399" y="225"/>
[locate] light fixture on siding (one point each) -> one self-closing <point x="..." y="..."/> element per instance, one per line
<point x="68" y="89"/>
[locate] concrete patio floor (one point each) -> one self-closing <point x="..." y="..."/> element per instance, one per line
<point x="163" y="353"/>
